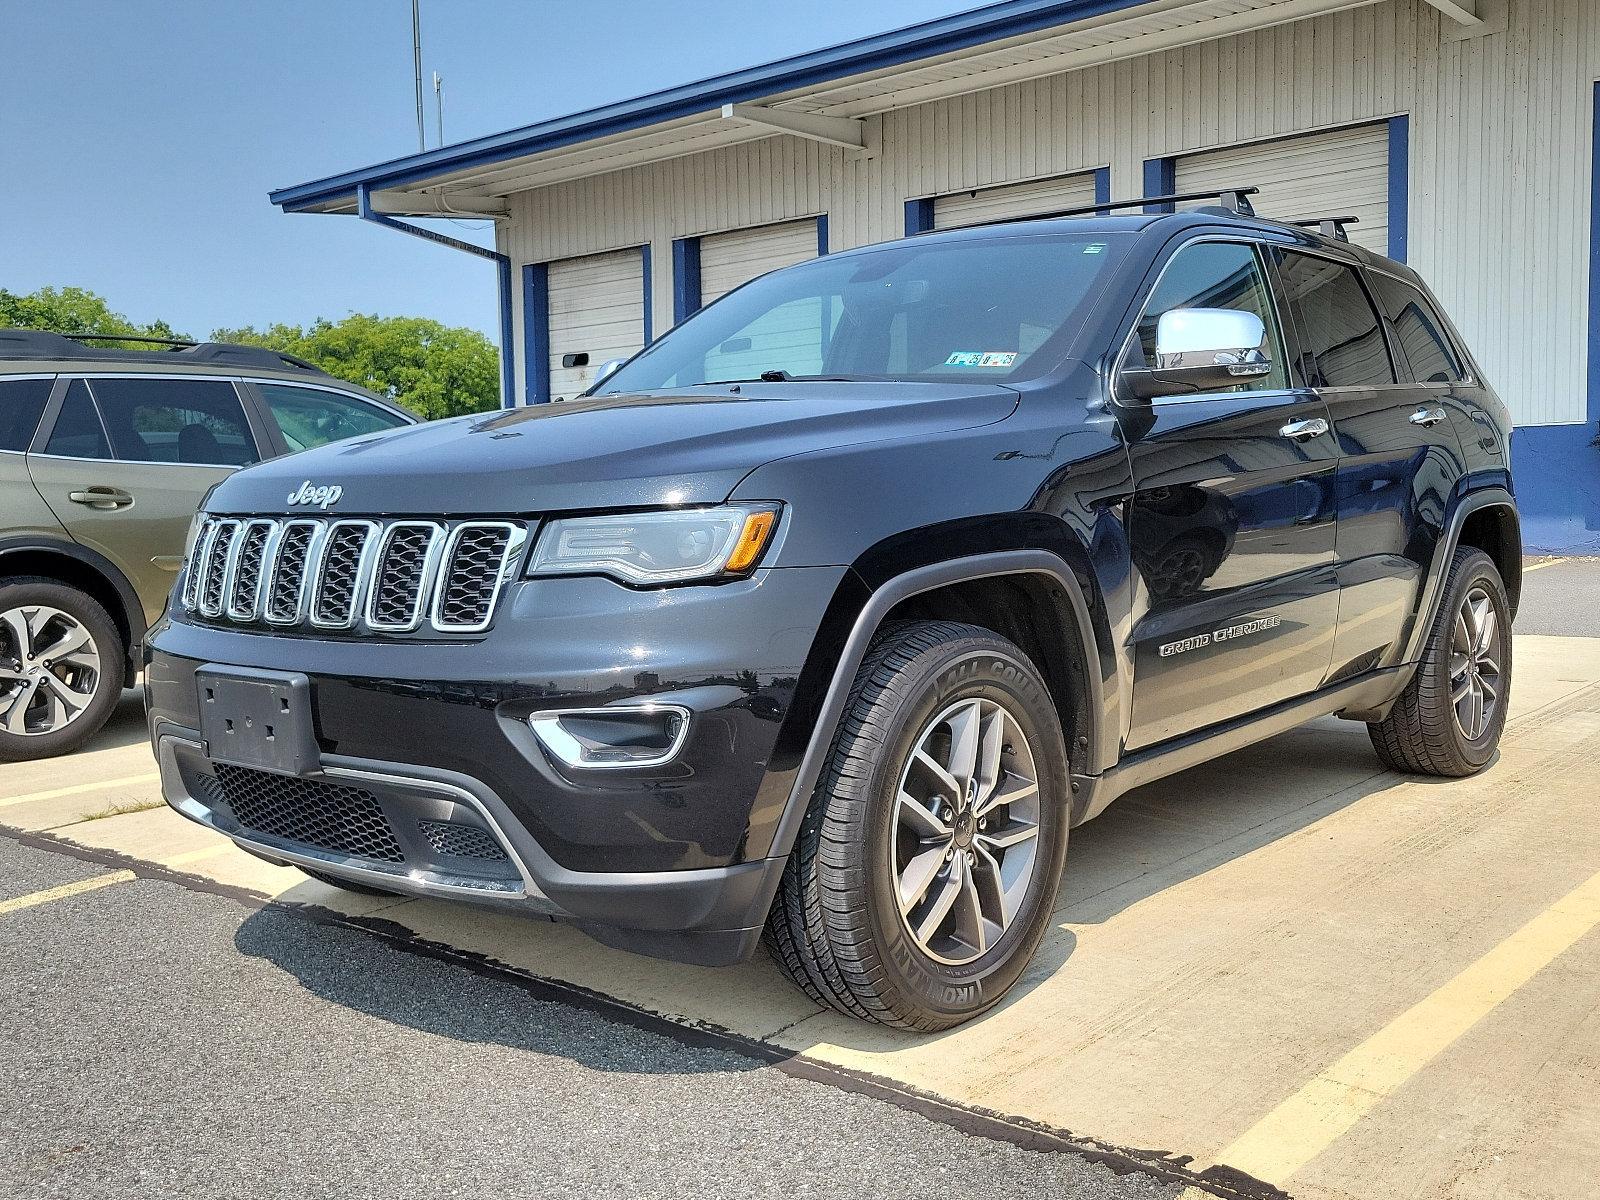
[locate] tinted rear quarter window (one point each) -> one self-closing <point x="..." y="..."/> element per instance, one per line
<point x="77" y="432"/>
<point x="194" y="421"/>
<point x="22" y="403"/>
<point x="1341" y="338"/>
<point x="1418" y="331"/>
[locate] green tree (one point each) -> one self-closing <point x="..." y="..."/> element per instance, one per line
<point x="72" y="310"/>
<point x="434" y="370"/>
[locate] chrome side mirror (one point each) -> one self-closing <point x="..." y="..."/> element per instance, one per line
<point x="606" y="370"/>
<point x="1202" y="350"/>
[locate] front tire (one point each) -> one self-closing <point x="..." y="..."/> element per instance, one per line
<point x="61" y="668"/>
<point x="927" y="866"/>
<point x="1449" y="719"/>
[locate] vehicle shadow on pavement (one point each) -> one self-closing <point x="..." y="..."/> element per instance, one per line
<point x="124" y="727"/>
<point x="414" y="985"/>
<point x="1151" y="841"/>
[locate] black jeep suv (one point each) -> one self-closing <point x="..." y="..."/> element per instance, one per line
<point x="827" y="615"/>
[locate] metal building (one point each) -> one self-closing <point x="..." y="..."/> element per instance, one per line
<point x="1461" y="132"/>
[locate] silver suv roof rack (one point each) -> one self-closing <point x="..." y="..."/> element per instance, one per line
<point x="41" y="344"/>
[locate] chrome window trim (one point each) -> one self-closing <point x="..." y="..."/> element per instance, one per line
<point x="516" y="538"/>
<point x="363" y="570"/>
<point x="274" y="531"/>
<point x="1256" y="247"/>
<point x="427" y="583"/>
<point x="313" y="548"/>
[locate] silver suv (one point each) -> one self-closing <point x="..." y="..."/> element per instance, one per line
<point x="105" y="454"/>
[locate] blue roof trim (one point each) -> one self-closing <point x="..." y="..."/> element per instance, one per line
<point x="961" y="31"/>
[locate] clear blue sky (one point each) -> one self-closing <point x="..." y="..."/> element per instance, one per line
<point x="139" y="138"/>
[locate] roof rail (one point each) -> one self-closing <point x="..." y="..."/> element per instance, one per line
<point x="1328" y="227"/>
<point x="41" y="344"/>
<point x="1235" y="200"/>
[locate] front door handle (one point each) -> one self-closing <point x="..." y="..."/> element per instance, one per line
<point x="101" y="497"/>
<point x="1304" y="431"/>
<point x="1427" y="416"/>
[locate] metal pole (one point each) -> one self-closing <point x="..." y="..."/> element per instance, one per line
<point x="416" y="62"/>
<point x="438" y="99"/>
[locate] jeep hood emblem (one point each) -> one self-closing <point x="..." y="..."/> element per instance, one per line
<point x="323" y="497"/>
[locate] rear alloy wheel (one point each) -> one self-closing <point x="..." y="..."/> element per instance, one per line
<point x="61" y="668"/>
<point x="1449" y="719"/>
<point x="927" y="865"/>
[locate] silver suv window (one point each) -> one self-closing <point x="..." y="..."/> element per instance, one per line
<point x="190" y="421"/>
<point x="311" y="417"/>
<point x="22" y="403"/>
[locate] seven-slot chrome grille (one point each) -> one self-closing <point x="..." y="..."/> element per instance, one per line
<point x="394" y="576"/>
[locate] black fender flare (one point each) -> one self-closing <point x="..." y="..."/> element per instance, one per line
<point x="1433" y="585"/>
<point x="901" y="587"/>
<point x="132" y="610"/>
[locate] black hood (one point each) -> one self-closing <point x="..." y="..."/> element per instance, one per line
<point x="607" y="452"/>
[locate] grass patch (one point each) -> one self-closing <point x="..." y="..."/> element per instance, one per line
<point x="122" y="810"/>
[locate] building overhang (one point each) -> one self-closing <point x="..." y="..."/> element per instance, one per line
<point x="823" y="95"/>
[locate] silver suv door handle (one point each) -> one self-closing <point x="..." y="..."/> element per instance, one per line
<point x="1304" y="431"/>
<point x="1427" y="416"/>
<point x="101" y="497"/>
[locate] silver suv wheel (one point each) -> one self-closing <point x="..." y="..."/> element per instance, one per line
<point x="49" y="670"/>
<point x="1475" y="664"/>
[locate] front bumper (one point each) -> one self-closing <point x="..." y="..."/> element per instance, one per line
<point x="430" y="743"/>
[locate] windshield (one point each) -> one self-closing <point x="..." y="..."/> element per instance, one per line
<point x="994" y="310"/>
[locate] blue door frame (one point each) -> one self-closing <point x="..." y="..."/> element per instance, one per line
<point x="536" y="323"/>
<point x="686" y="294"/>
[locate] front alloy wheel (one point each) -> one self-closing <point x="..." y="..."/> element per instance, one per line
<point x="926" y="868"/>
<point x="966" y="830"/>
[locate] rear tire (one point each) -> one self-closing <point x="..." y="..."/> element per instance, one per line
<point x="938" y="707"/>
<point x="62" y="664"/>
<point x="1449" y="719"/>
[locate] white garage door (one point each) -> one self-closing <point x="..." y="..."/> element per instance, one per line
<point x="1344" y="173"/>
<point x="729" y="259"/>
<point x="596" y="309"/>
<point x="1013" y="200"/>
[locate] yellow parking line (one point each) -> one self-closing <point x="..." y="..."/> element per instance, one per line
<point x="78" y="789"/>
<point x="1539" y="566"/>
<point x="189" y="856"/>
<point x="65" y="890"/>
<point x="1311" y="1120"/>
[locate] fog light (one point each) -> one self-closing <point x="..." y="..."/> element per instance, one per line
<point x="621" y="735"/>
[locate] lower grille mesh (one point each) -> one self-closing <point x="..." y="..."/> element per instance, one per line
<point x="461" y="841"/>
<point x="330" y="816"/>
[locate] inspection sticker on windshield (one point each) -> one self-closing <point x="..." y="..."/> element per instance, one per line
<point x="986" y="358"/>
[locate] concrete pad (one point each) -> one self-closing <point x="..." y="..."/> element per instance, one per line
<point x="1221" y="937"/>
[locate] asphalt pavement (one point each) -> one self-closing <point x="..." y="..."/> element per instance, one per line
<point x="1560" y="596"/>
<point x="166" y="1041"/>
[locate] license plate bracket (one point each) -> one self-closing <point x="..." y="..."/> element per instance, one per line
<point x="256" y="718"/>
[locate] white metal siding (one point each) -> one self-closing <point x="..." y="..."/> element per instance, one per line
<point x="1013" y="200"/>
<point x="596" y="308"/>
<point x="729" y="259"/>
<point x="1339" y="174"/>
<point x="1499" y="167"/>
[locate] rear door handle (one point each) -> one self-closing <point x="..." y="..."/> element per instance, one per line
<point x="1304" y="431"/>
<point x="101" y="497"/>
<point x="1427" y="416"/>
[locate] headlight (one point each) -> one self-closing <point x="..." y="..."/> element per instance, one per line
<point x="658" y="547"/>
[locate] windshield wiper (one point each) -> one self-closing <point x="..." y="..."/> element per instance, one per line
<point x="779" y="376"/>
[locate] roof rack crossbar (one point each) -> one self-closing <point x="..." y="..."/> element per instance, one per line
<point x="1234" y="199"/>
<point x="181" y="343"/>
<point x="1329" y="227"/>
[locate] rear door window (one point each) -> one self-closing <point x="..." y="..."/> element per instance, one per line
<point x="77" y="432"/>
<point x="198" y="422"/>
<point x="1417" y="331"/>
<point x="1341" y="338"/>
<point x="310" y="417"/>
<point x="22" y="403"/>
